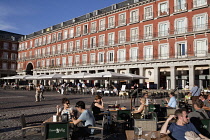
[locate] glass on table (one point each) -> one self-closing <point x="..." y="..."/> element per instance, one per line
<point x="153" y="135"/>
<point x="137" y="133"/>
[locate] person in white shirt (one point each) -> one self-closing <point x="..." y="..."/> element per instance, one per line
<point x="66" y="109"/>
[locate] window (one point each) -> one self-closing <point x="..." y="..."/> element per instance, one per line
<point x="59" y="48"/>
<point x="14" y="47"/>
<point x="4" y="66"/>
<point x="64" y="61"/>
<point x="13" y="56"/>
<point x="47" y="63"/>
<point x="13" y="66"/>
<point x="180" y="5"/>
<point x="93" y="27"/>
<point x="101" y="57"/>
<point x="77" y="45"/>
<point x="30" y="54"/>
<point x="134" y="34"/>
<point x="31" y="44"/>
<point x="164" y="51"/>
<point x="43" y="52"/>
<point x="163" y="29"/>
<point x="201" y="47"/>
<point x="5" y="55"/>
<point x="111" y="38"/>
<point x="163" y="8"/>
<point x="101" y="40"/>
<point x="78" y="31"/>
<point x="134" y="16"/>
<point x="57" y="61"/>
<point x="122" y="19"/>
<point x="48" y="39"/>
<point x="181" y="49"/>
<point x="110" y="57"/>
<point x="102" y="24"/>
<point x="85" y="43"/>
<point x="59" y="36"/>
<point x="148" y="12"/>
<point x="38" y="64"/>
<point x="40" y="41"/>
<point x="6" y="45"/>
<point x="93" y="42"/>
<point x="36" y="43"/>
<point x="85" y="29"/>
<point x="39" y="52"/>
<point x="26" y="45"/>
<point x="200" y="22"/>
<point x="54" y="38"/>
<point x="134" y="54"/>
<point x="52" y="62"/>
<point x="111" y="22"/>
<point x="71" y="46"/>
<point x="43" y="63"/>
<point x="54" y="50"/>
<point x="197" y="3"/>
<point x="71" y="35"/>
<point x="64" y="50"/>
<point x="70" y="60"/>
<point x="148" y="33"/>
<point x="180" y="26"/>
<point x="92" y="58"/>
<point x="121" y="55"/>
<point x="148" y="52"/>
<point x="65" y="35"/>
<point x="77" y="60"/>
<point x="84" y="59"/>
<point x="122" y="36"/>
<point x="43" y="42"/>
<point x="48" y="50"/>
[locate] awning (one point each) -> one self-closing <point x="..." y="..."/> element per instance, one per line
<point x="202" y="68"/>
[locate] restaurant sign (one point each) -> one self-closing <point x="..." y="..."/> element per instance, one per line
<point x="56" y="130"/>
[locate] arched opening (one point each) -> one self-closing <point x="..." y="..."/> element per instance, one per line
<point x="29" y="69"/>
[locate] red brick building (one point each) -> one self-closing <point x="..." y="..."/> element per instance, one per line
<point x="165" y="40"/>
<point x="8" y="53"/>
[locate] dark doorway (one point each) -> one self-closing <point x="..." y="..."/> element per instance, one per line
<point x="29" y="69"/>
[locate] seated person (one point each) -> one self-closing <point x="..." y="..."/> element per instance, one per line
<point x="141" y="108"/>
<point x="86" y="118"/>
<point x="66" y="109"/>
<point x="202" y="98"/>
<point x="172" y="101"/>
<point x="96" y="107"/>
<point x="207" y="103"/>
<point x="145" y="95"/>
<point x="178" y="129"/>
<point x="187" y="97"/>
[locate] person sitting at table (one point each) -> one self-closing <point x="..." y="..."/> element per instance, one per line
<point x="141" y="108"/>
<point x="145" y="95"/>
<point x="187" y="97"/>
<point x="207" y="103"/>
<point x="180" y="127"/>
<point x="86" y="118"/>
<point x="172" y="101"/>
<point x="202" y="98"/>
<point x="96" y="107"/>
<point x="66" y="109"/>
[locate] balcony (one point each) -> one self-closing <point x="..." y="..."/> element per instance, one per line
<point x="182" y="30"/>
<point x="148" y="36"/>
<point x="180" y="8"/>
<point x="163" y="12"/>
<point x="163" y="33"/>
<point x="122" y="22"/>
<point x="200" y="27"/>
<point x="134" y="19"/>
<point x="102" y="27"/>
<point x="148" y="16"/>
<point x="134" y="38"/>
<point x="199" y="3"/>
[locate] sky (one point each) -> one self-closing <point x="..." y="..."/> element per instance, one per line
<point x="28" y="16"/>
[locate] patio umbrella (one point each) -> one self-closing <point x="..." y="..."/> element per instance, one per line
<point x="9" y="77"/>
<point x="51" y="76"/>
<point x="75" y="76"/>
<point x="21" y="76"/>
<point x="134" y="76"/>
<point x="34" y="77"/>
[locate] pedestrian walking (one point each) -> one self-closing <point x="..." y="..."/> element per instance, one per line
<point x="195" y="92"/>
<point x="42" y="92"/>
<point x="37" y="95"/>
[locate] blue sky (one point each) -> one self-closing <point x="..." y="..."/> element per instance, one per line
<point x="28" y="16"/>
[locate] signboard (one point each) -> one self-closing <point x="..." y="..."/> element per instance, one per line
<point x="57" y="130"/>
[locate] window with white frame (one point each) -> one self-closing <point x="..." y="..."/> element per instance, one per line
<point x="134" y="34"/>
<point x="111" y="22"/>
<point x="121" y="55"/>
<point x="85" y="29"/>
<point x="43" y="63"/>
<point x="38" y="64"/>
<point x="71" y="46"/>
<point x="64" y="50"/>
<point x="13" y="56"/>
<point x="134" y="54"/>
<point x="93" y="27"/>
<point x="65" y="35"/>
<point x="39" y="52"/>
<point x="48" y="50"/>
<point x="101" y="57"/>
<point x="134" y="16"/>
<point x="102" y="24"/>
<point x="148" y="12"/>
<point x="5" y="55"/>
<point x="200" y="22"/>
<point x="59" y="48"/>
<point x="52" y="62"/>
<point x="48" y="39"/>
<point x="181" y="49"/>
<point x="163" y="51"/>
<point x="70" y="60"/>
<point x="40" y="41"/>
<point x="163" y="29"/>
<point x="30" y="54"/>
<point x="36" y="43"/>
<point x="180" y="25"/>
<point x="122" y="19"/>
<point x="93" y="42"/>
<point x="180" y="5"/>
<point x="6" y="45"/>
<point x="31" y="44"/>
<point x="122" y="36"/>
<point x="111" y="38"/>
<point x="77" y="45"/>
<point x="198" y="3"/>
<point x="43" y="42"/>
<point x="71" y="34"/>
<point x="148" y="52"/>
<point x="148" y="32"/>
<point x="78" y="31"/>
<point x="101" y="40"/>
<point x="84" y="59"/>
<point x="54" y="37"/>
<point x="92" y="58"/>
<point x="14" y="47"/>
<point x="59" y="36"/>
<point x="163" y="8"/>
<point x="43" y="51"/>
<point x="26" y="45"/>
<point x="64" y="61"/>
<point x="4" y="65"/>
<point x="13" y="66"/>
<point x="47" y="63"/>
<point x="77" y="60"/>
<point x="85" y="43"/>
<point x="58" y="62"/>
<point x="201" y="47"/>
<point x="110" y="56"/>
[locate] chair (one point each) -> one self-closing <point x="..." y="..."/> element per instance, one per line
<point x="25" y="127"/>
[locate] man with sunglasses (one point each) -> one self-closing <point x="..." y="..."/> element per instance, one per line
<point x="180" y="127"/>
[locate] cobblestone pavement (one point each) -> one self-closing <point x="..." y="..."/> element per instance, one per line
<point x="13" y="103"/>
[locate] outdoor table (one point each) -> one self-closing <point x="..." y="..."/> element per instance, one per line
<point x="50" y="120"/>
<point x="146" y="135"/>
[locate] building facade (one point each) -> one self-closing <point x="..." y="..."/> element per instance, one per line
<point x="164" y="40"/>
<point x="8" y="53"/>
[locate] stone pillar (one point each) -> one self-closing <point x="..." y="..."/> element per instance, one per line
<point x="201" y="84"/>
<point x="168" y="84"/>
<point x="141" y="73"/>
<point x="173" y="77"/>
<point x="156" y="77"/>
<point x="191" y="76"/>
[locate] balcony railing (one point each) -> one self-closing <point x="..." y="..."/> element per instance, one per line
<point x="199" y="3"/>
<point x="163" y="12"/>
<point x="180" y="30"/>
<point x="148" y="15"/>
<point x="180" y="7"/>
<point x="134" y="19"/>
<point x="200" y="27"/>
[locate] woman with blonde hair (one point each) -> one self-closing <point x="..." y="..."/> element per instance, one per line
<point x="141" y="108"/>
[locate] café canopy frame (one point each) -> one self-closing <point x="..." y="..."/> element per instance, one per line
<point x="75" y="76"/>
<point x="51" y="76"/>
